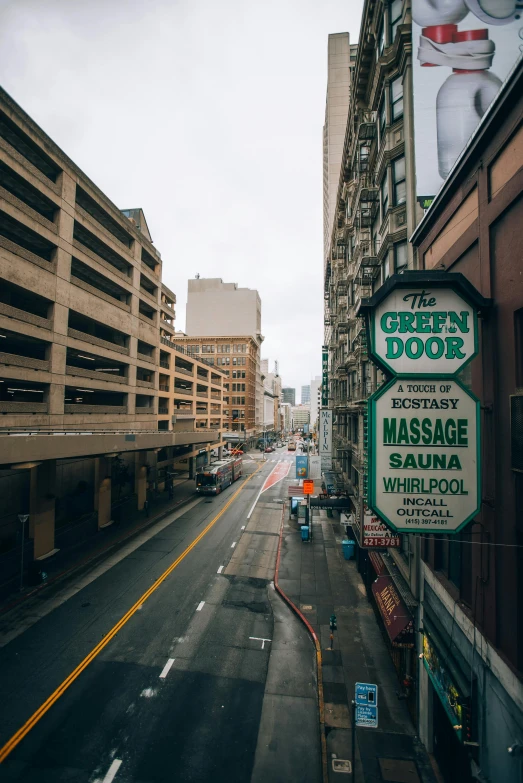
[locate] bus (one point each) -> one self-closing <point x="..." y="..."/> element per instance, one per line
<point x="218" y="476"/>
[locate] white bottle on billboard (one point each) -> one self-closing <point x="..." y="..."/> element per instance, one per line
<point x="461" y="103"/>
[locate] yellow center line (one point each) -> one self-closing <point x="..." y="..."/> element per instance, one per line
<point x="40" y="712"/>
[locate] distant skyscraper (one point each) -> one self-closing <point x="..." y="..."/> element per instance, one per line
<point x="289" y="395"/>
<point x="305" y="395"/>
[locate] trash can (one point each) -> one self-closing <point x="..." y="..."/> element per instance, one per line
<point x="304" y="532"/>
<point x="348" y="548"/>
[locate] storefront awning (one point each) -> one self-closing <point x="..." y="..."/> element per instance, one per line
<point x="397" y="619"/>
<point x="377" y="563"/>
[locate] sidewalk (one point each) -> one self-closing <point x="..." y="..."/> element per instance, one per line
<point x="98" y="542"/>
<point x="320" y="582"/>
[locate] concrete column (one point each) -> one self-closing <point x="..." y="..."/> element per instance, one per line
<point x="42" y="507"/>
<point x="192" y="464"/>
<point x="102" y="490"/>
<point x="140" y="479"/>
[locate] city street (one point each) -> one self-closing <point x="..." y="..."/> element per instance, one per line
<point x="177" y="692"/>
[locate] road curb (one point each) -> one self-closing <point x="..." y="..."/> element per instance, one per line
<point x="319" y="670"/>
<point x="96" y="554"/>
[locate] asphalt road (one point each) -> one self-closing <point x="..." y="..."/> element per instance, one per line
<point x="177" y="692"/>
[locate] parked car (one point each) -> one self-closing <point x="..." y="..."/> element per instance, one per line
<point x="236" y="451"/>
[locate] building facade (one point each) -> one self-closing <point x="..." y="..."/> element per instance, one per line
<point x="272" y="397"/>
<point x="460" y="665"/>
<point x="286" y="413"/>
<point x="305" y="394"/>
<point x="315" y="401"/>
<point x="472" y="608"/>
<point x="300" y="416"/>
<point x="82" y="311"/>
<point x="237" y="359"/>
<point x="288" y="395"/>
<point x="340" y="63"/>
<point x="375" y="213"/>
<point x="219" y="309"/>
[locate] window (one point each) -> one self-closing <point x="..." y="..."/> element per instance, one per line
<point x="381" y="40"/>
<point x="382" y="118"/>
<point x="400" y="257"/>
<point x="396" y="99"/>
<point x="385" y="269"/>
<point x="384" y="195"/>
<point x="193" y="349"/>
<point x="399" y="185"/>
<point x="395" y="14"/>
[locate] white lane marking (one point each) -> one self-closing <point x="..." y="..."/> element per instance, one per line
<point x="148" y="693"/>
<point x="165" y="670"/>
<point x="200" y="606"/>
<point x="259" y="639"/>
<point x="38" y="610"/>
<point x="111" y="772"/>
<point x="220" y="569"/>
<point x="233" y="544"/>
<point x="254" y="504"/>
<point x="242" y="527"/>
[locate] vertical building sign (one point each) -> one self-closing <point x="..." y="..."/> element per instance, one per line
<point x="325" y="444"/>
<point x="325" y="376"/>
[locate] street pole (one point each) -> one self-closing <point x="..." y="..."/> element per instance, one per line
<point x="353" y="756"/>
<point x="23" y="519"/>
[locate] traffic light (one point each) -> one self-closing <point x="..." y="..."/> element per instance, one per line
<point x="333" y="622"/>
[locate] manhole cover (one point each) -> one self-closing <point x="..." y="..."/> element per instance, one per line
<point x="342" y="765"/>
<point x="399" y="771"/>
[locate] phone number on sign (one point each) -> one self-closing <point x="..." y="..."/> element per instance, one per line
<point x="380" y="541"/>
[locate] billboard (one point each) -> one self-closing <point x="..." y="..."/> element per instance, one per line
<point x="463" y="51"/>
<point x="314" y="467"/>
<point x="325" y="442"/>
<point x="302" y="467"/>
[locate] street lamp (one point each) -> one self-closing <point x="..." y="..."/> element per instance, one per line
<point x="23" y="519"/>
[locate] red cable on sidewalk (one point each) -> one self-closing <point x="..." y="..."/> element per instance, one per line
<point x="301" y="616"/>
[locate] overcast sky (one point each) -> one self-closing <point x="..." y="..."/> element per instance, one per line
<point x="207" y="114"/>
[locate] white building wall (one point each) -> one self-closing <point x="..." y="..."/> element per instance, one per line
<point x="216" y="309"/>
<point x="336" y="111"/>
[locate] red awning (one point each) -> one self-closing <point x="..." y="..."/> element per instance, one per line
<point x="377" y="563"/>
<point x="392" y="608"/>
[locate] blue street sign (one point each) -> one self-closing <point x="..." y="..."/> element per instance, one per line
<point x="366" y="693"/>
<point x="366" y="716"/>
